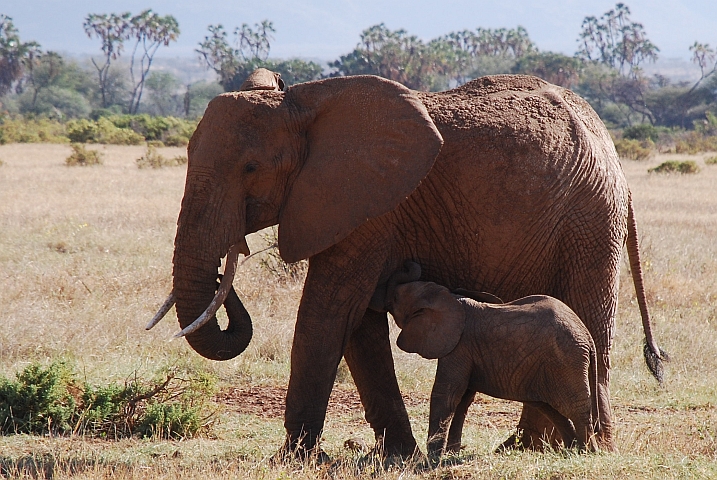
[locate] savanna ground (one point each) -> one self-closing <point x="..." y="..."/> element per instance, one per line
<point x="85" y="260"/>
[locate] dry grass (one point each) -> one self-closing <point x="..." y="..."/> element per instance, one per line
<point x="85" y="259"/>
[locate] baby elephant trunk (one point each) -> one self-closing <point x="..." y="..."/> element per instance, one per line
<point x="382" y="299"/>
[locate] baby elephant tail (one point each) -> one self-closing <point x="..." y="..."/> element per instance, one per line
<point x="594" y="395"/>
<point x="654" y="355"/>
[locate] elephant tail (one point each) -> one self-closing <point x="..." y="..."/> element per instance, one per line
<point x="592" y="378"/>
<point x="654" y="355"/>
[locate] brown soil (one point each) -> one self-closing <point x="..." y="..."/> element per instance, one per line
<point x="269" y="401"/>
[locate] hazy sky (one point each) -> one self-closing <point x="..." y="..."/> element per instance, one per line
<point x="326" y="29"/>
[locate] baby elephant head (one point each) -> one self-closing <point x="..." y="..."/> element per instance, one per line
<point x="431" y="317"/>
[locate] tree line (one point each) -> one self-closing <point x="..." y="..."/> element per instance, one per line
<point x="606" y="69"/>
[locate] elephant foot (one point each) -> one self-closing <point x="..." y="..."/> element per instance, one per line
<point x="511" y="443"/>
<point x="527" y="439"/>
<point x="605" y="441"/>
<point x="379" y="458"/>
<point x="300" y="450"/>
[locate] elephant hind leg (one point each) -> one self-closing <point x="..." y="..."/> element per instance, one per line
<point x="585" y="432"/>
<point x="368" y="355"/>
<point x="561" y="423"/>
<point x="535" y="431"/>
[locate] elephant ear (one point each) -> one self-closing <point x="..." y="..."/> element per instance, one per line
<point x="370" y="142"/>
<point x="434" y="324"/>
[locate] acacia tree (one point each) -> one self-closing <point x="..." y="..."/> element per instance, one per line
<point x="252" y="50"/>
<point x="14" y="55"/>
<point x="218" y="55"/>
<point x="618" y="45"/>
<point x="616" y="41"/>
<point x="485" y="51"/>
<point x="706" y="58"/>
<point x="233" y="64"/>
<point x="150" y="32"/>
<point x="112" y="31"/>
<point x="43" y="69"/>
<point x="398" y="56"/>
<point x="553" y="67"/>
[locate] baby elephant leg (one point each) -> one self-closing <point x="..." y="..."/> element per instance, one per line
<point x="456" y="431"/>
<point x="561" y="423"/>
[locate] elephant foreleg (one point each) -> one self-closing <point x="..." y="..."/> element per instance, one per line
<point x="456" y="431"/>
<point x="368" y="355"/>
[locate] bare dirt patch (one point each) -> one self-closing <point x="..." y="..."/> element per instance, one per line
<point x="269" y="401"/>
<point x="265" y="401"/>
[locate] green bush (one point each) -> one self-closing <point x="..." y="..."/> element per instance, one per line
<point x="52" y="400"/>
<point x="152" y="159"/>
<point x="55" y="102"/>
<point x="170" y="421"/>
<point x="170" y="131"/>
<point x="635" y="149"/>
<point x="708" y="161"/>
<point x="22" y="130"/>
<point x="694" y="142"/>
<point x="81" y="131"/>
<point x="102" y="130"/>
<point x="676" y="166"/>
<point x="641" y="132"/>
<point x="39" y="401"/>
<point x="82" y="157"/>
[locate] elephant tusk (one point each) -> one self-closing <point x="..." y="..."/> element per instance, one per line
<point x="168" y="303"/>
<point x="230" y="269"/>
<point x="225" y="285"/>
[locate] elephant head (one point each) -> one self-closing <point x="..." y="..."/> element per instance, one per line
<point x="382" y="299"/>
<point x="320" y="159"/>
<point x="431" y="318"/>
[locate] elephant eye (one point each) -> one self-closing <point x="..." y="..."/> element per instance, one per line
<point x="250" y="168"/>
<point x="419" y="312"/>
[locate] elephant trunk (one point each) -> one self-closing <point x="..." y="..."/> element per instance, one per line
<point x="197" y="256"/>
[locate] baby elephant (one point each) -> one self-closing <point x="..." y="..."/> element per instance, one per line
<point x="533" y="350"/>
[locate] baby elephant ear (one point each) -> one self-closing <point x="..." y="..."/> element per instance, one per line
<point x="433" y="327"/>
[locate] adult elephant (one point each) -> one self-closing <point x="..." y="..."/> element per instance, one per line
<point x="507" y="184"/>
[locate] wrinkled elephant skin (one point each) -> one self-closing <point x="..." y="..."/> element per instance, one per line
<point x="508" y="185"/>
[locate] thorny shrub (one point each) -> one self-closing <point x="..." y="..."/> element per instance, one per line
<point x="83" y="157"/>
<point x="633" y="149"/>
<point x="27" y="130"/>
<point x="52" y="399"/>
<point x="676" y="166"/>
<point x="275" y="265"/>
<point x="152" y="159"/>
